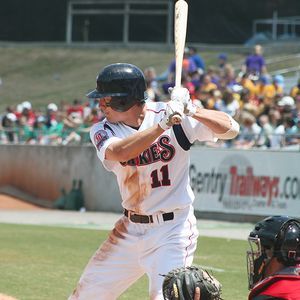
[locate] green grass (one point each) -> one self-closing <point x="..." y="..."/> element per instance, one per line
<point x="44" y="263"/>
<point x="43" y="74"/>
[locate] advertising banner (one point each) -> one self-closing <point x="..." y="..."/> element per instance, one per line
<point x="246" y="182"/>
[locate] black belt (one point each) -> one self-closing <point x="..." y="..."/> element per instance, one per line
<point x="136" y="218"/>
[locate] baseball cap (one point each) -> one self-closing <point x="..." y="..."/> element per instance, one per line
<point x="222" y="56"/>
<point x="12" y="117"/>
<point x="41" y="119"/>
<point x="27" y="105"/>
<point x="52" y="106"/>
<point x="19" y="108"/>
<point x="264" y="79"/>
<point x="286" y="101"/>
<point x="279" y="79"/>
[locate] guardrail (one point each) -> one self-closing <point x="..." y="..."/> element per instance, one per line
<point x="81" y="137"/>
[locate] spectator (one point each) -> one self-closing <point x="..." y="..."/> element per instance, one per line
<point x="152" y="90"/>
<point x="217" y="99"/>
<point x="290" y="131"/>
<point x="72" y="128"/>
<point x="286" y="105"/>
<point x="214" y="75"/>
<point x="207" y="85"/>
<point x="295" y="90"/>
<point x="197" y="59"/>
<point x="248" y="103"/>
<point x="9" y="127"/>
<point x="228" y="104"/>
<point x="25" y="131"/>
<point x="28" y="113"/>
<point x="229" y="76"/>
<point x="247" y="83"/>
<point x="188" y="66"/>
<point x="278" y="83"/>
<point x="249" y="133"/>
<point x="265" y="93"/>
<point x="56" y="131"/>
<point x="266" y="132"/>
<point x="222" y="61"/>
<point x="51" y="115"/>
<point x="76" y="107"/>
<point x="296" y="110"/>
<point x="40" y="131"/>
<point x="255" y="63"/>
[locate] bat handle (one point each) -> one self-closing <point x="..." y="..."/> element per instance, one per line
<point x="176" y="119"/>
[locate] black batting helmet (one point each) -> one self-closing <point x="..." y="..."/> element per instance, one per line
<point x="125" y="83"/>
<point x="280" y="235"/>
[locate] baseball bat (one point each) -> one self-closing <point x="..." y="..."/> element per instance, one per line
<point x="180" y="26"/>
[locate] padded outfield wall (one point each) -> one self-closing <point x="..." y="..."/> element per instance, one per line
<point x="228" y="184"/>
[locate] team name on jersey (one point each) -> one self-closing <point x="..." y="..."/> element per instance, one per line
<point x="161" y="150"/>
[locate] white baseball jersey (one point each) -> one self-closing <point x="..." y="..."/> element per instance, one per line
<point x="157" y="180"/>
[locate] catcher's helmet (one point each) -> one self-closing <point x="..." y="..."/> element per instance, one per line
<point x="280" y="235"/>
<point x="125" y="83"/>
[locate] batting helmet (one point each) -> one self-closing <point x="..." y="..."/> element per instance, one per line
<point x="125" y="83"/>
<point x="280" y="235"/>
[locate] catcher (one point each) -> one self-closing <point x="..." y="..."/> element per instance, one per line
<point x="191" y="283"/>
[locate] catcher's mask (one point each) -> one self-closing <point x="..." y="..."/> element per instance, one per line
<point x="124" y="83"/>
<point x="277" y="236"/>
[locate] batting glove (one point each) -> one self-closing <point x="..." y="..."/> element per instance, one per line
<point x="183" y="95"/>
<point x="173" y="108"/>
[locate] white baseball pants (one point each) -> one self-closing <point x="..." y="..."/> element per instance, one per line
<point x="133" y="249"/>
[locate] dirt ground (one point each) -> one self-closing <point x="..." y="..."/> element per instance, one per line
<point x="6" y="297"/>
<point x="16" y="211"/>
<point x="11" y="203"/>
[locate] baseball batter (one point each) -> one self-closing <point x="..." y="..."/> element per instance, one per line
<point x="149" y="155"/>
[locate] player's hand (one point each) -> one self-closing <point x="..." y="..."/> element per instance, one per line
<point x="173" y="109"/>
<point x="183" y="95"/>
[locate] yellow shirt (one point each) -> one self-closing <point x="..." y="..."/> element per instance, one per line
<point x="295" y="91"/>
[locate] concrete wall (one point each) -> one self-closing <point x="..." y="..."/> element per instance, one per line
<point x="42" y="171"/>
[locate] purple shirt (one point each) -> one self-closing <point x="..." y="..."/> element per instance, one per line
<point x="192" y="66"/>
<point x="254" y="63"/>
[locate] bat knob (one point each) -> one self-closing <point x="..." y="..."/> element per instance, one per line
<point x="176" y="119"/>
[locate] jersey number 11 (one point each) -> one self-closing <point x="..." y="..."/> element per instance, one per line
<point x="162" y="178"/>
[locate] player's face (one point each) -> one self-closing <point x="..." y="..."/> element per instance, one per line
<point x="110" y="114"/>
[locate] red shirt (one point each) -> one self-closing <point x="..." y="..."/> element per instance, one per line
<point x="285" y="285"/>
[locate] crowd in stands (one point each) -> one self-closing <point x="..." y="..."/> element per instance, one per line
<point x="57" y="125"/>
<point x="269" y="116"/>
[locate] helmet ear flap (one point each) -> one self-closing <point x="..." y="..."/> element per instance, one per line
<point x="287" y="245"/>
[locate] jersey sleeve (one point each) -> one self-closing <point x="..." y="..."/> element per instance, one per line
<point x="195" y="130"/>
<point x="101" y="138"/>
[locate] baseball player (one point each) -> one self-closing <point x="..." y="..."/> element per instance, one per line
<point x="149" y="154"/>
<point x="274" y="259"/>
<point x="273" y="265"/>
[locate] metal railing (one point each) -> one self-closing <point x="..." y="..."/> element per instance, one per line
<point x="81" y="137"/>
<point x="289" y="25"/>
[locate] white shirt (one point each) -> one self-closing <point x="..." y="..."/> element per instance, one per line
<point x="158" y="180"/>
